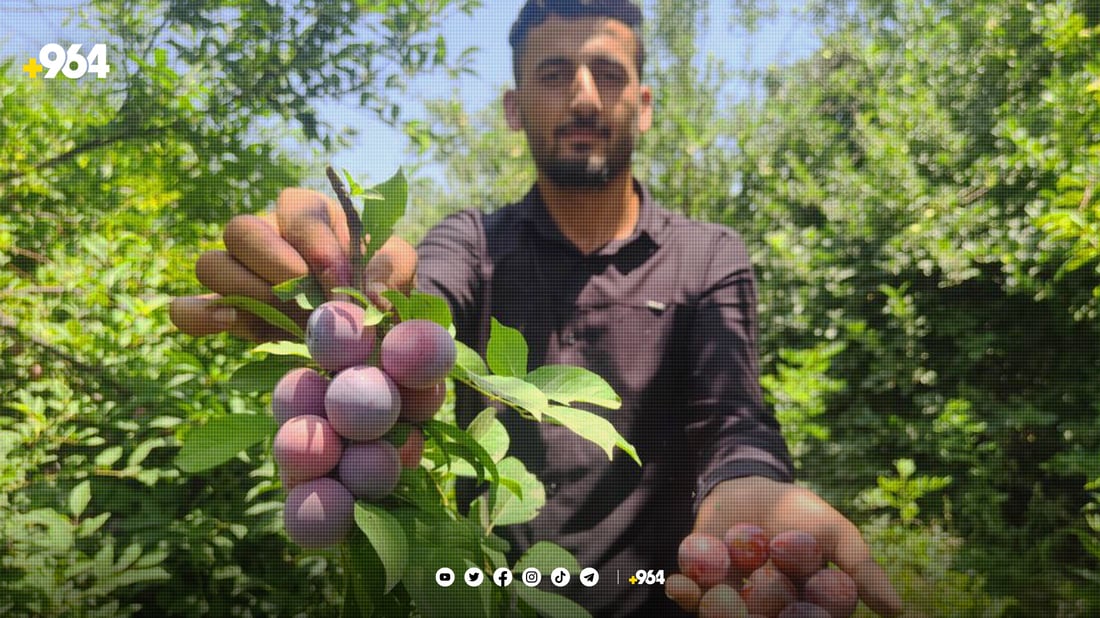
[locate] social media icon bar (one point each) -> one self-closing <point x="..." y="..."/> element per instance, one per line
<point x="502" y="577"/>
<point x="532" y="577"/>
<point x="474" y="577"/>
<point x="444" y="577"/>
<point x="590" y="577"/>
<point x="560" y="577"/>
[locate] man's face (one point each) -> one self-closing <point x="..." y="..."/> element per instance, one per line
<point x="579" y="99"/>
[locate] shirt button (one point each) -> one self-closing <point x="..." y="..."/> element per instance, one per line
<point x="569" y="339"/>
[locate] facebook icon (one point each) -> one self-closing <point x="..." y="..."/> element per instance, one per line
<point x="502" y="577"/>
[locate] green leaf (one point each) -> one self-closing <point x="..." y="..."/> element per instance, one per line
<point x="89" y="526"/>
<point x="456" y="600"/>
<point x="420" y="306"/>
<point x="142" y="451"/>
<point x="379" y="217"/>
<point x="457" y="442"/>
<point x="548" y="604"/>
<point x="263" y="375"/>
<point x="386" y="536"/>
<point x="283" y="348"/>
<point x="357" y="190"/>
<point x="108" y="456"/>
<point x="546" y="556"/>
<point x="507" y="351"/>
<point x="220" y="440"/>
<point x="304" y="290"/>
<point x="490" y="433"/>
<point x="468" y="362"/>
<point x="594" y="428"/>
<point x="399" y="301"/>
<point x="906" y="467"/>
<point x="509" y="508"/>
<point x="373" y="315"/>
<point x="566" y="384"/>
<point x="264" y="311"/>
<point x="419" y="488"/>
<point x="512" y="391"/>
<point x="430" y="307"/>
<point x="79" y="498"/>
<point x="365" y="576"/>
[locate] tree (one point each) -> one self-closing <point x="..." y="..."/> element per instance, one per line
<point x="111" y="189"/>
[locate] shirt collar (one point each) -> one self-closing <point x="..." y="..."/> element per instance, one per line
<point x="648" y="229"/>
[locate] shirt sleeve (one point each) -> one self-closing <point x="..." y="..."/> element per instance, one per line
<point x="737" y="433"/>
<point x="448" y="266"/>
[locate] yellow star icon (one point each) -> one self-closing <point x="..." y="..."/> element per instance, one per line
<point x="32" y="68"/>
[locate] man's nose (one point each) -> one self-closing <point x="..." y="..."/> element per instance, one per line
<point x="586" y="96"/>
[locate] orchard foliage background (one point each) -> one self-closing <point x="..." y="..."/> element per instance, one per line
<point x="920" y="196"/>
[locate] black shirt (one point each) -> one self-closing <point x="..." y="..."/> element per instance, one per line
<point x="668" y="318"/>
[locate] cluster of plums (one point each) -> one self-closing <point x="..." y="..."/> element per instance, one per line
<point x="747" y="574"/>
<point x="330" y="447"/>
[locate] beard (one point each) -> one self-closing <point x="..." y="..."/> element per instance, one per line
<point x="584" y="171"/>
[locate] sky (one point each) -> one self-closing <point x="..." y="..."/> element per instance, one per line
<point x="27" y="25"/>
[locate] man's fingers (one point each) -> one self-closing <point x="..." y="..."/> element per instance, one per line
<point x="198" y="316"/>
<point x="685" y="592"/>
<point x="315" y="227"/>
<point x="393" y="265"/>
<point x="256" y="243"/>
<point x="853" y="556"/>
<point x="221" y="273"/>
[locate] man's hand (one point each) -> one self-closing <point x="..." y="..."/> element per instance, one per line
<point x="307" y="234"/>
<point x="777" y="507"/>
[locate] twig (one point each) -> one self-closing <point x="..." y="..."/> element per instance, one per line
<point x="355" y="226"/>
<point x="1086" y="197"/>
<point x="9" y="325"/>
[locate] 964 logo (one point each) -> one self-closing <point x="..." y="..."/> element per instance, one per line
<point x="69" y="62"/>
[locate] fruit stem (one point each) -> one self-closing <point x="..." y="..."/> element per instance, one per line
<point x="355" y="225"/>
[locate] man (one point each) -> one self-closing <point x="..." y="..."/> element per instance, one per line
<point x="594" y="273"/>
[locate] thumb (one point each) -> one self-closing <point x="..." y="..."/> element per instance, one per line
<point x="853" y="556"/>
<point x="684" y="591"/>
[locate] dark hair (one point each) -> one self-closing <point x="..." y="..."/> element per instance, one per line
<point x="535" y="12"/>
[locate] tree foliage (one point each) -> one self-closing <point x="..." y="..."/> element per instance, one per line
<point x="111" y="190"/>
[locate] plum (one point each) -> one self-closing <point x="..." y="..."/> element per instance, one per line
<point x="413" y="449"/>
<point x="362" y="403"/>
<point x="834" y="591"/>
<point x="370" y="470"/>
<point x="748" y="546"/>
<point x="418" y="353"/>
<point x="801" y="609"/>
<point x="318" y="513"/>
<point x="768" y="591"/>
<point x="305" y="448"/>
<point x="704" y="559"/>
<point x="300" y="391"/>
<point x="796" y="553"/>
<point x="420" y="404"/>
<point x="684" y="591"/>
<point x="721" y="601"/>
<point x="336" y="336"/>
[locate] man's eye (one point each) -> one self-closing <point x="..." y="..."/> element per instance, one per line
<point x="609" y="76"/>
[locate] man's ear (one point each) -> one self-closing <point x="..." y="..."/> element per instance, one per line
<point x="511" y="110"/>
<point x="645" y="109"/>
